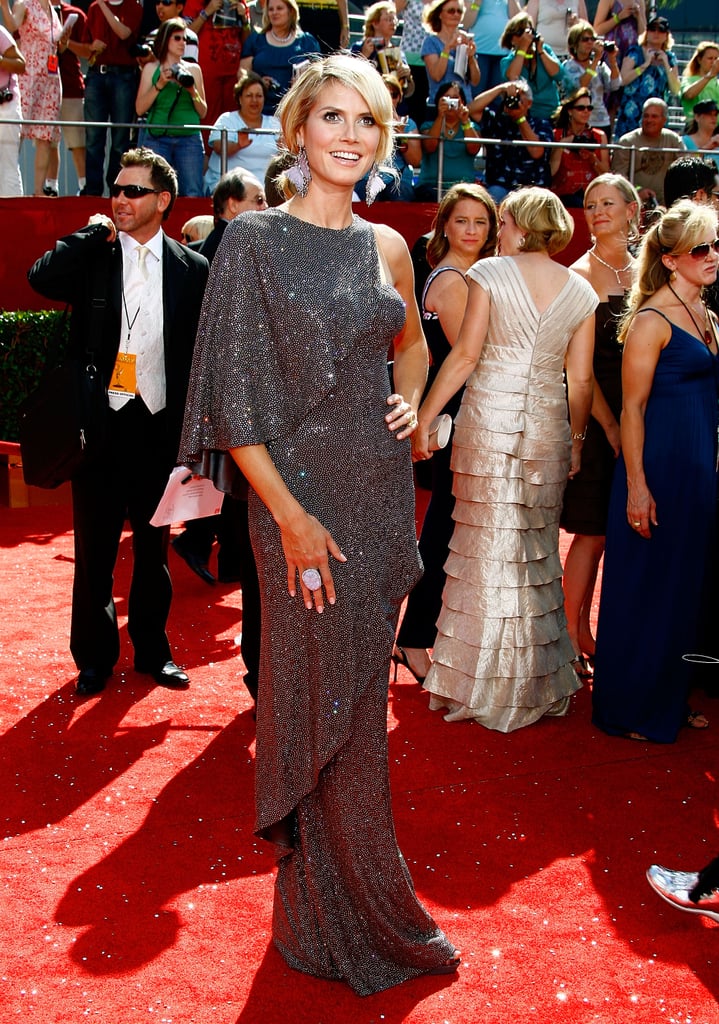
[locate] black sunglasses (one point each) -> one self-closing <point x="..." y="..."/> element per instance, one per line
<point x="164" y="3"/>
<point x="586" y="106"/>
<point x="700" y="252"/>
<point x="133" y="191"/>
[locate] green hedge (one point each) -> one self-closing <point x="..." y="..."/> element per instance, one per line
<point x="24" y="339"/>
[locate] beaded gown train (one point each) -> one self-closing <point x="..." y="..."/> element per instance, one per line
<point x="297" y="360"/>
<point x="503" y="656"/>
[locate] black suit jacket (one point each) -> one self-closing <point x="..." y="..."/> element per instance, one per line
<point x="85" y="263"/>
<point x="208" y="246"/>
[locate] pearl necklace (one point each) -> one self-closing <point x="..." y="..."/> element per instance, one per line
<point x="617" y="272"/>
<point x="281" y="40"/>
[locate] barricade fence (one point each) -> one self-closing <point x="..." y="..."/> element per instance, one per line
<point x="483" y="141"/>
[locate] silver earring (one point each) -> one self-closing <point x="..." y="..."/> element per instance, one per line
<point x="299" y="174"/>
<point x="374" y="186"/>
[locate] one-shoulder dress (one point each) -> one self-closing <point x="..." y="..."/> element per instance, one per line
<point x="503" y="656"/>
<point x="652" y="590"/>
<point x="292" y="353"/>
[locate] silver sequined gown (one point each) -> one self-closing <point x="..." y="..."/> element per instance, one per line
<point x="291" y="352"/>
<point x="502" y="655"/>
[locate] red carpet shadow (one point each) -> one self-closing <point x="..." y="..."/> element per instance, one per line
<point x="65" y="751"/>
<point x="197" y="832"/>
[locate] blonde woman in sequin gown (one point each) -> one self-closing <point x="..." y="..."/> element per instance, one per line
<point x="503" y="656"/>
<point x="290" y="377"/>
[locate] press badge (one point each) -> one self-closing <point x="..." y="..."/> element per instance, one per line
<point x="124" y="378"/>
<point x="52" y="63"/>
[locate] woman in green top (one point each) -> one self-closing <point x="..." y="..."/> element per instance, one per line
<point x="173" y="93"/>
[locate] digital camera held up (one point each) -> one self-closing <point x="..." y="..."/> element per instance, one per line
<point x="181" y="75"/>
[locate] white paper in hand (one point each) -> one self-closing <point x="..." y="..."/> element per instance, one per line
<point x="186" y="497"/>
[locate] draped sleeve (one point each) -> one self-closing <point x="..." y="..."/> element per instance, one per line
<point x="255" y="376"/>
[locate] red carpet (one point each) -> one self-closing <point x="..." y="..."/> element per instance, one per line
<point x="134" y="891"/>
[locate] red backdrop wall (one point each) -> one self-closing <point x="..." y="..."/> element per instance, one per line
<point x="31" y="226"/>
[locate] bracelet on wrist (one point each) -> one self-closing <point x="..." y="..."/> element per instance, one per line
<point x="616" y="19"/>
<point x="521" y="120"/>
<point x="580" y="437"/>
<point x="204" y="15"/>
<point x="444" y="54"/>
<point x="591" y="73"/>
<point x="521" y="53"/>
<point x="474" y="7"/>
<point x="466" y="127"/>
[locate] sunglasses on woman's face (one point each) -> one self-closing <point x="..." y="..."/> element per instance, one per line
<point x="585" y="106"/>
<point x="132" y="191"/>
<point x="179" y="37"/>
<point x="700" y="252"/>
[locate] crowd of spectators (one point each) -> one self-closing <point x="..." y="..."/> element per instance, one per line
<point x="459" y="72"/>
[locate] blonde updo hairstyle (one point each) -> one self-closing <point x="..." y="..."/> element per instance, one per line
<point x="540" y="215"/>
<point x="681" y="228"/>
<point x="338" y="69"/>
<point x="438" y="246"/>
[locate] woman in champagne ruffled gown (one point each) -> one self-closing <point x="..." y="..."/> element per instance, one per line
<point x="503" y="656"/>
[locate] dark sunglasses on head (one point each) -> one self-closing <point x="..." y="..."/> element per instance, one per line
<point x="132" y="191"/>
<point x="585" y="106"/>
<point x="700" y="252"/>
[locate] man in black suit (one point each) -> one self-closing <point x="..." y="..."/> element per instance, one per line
<point x="149" y="289"/>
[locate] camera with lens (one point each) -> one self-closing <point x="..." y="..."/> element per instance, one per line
<point x="377" y="42"/>
<point x="5" y="95"/>
<point x="140" y="50"/>
<point x="452" y="102"/>
<point x="181" y="75"/>
<point x="512" y="102"/>
<point x="609" y="46"/>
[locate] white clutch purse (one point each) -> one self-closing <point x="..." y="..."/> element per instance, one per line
<point x="440" y="430"/>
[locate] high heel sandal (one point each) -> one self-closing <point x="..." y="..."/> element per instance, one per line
<point x="402" y="659"/>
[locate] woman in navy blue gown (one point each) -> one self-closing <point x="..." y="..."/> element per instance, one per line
<point x="661" y="517"/>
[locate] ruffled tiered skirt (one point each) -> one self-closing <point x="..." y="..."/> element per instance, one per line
<point x="503" y="656"/>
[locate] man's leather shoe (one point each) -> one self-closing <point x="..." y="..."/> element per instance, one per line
<point x="168" y="675"/>
<point x="196" y="564"/>
<point x="91" y="681"/>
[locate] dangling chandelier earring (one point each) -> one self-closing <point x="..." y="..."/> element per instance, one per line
<point x="299" y="173"/>
<point x="374" y="186"/>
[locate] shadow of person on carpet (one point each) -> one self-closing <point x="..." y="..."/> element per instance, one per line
<point x="197" y="834"/>
<point x="59" y="756"/>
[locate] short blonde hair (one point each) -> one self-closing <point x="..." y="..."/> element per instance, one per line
<point x="540" y="215"/>
<point x="338" y="69"/>
<point x="294" y="10"/>
<point x="625" y="189"/>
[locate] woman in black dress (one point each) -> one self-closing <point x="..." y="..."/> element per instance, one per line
<point x="611" y="207"/>
<point x="464" y="231"/>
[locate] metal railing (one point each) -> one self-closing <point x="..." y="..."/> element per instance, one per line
<point x="483" y="141"/>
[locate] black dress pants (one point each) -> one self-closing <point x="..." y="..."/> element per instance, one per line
<point x="126" y="482"/>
